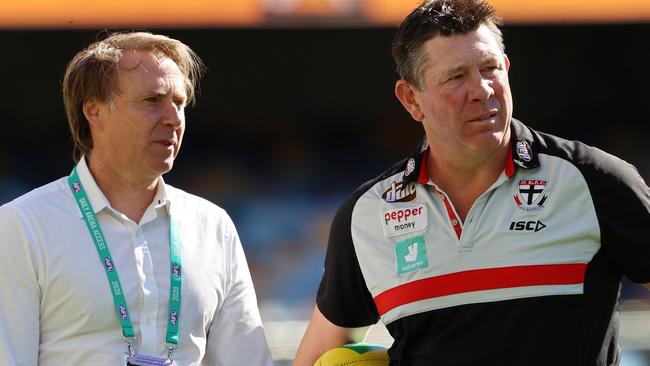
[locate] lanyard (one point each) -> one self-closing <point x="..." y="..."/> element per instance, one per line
<point x="105" y="258"/>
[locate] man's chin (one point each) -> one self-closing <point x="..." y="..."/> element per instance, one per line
<point x="161" y="167"/>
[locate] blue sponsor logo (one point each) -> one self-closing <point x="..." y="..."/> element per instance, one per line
<point x="109" y="264"/>
<point x="123" y="312"/>
<point x="176" y="270"/>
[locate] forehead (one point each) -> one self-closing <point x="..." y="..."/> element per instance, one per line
<point x="149" y="71"/>
<point x="441" y="52"/>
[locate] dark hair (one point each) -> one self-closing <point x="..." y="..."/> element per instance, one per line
<point x="91" y="75"/>
<point x="438" y="17"/>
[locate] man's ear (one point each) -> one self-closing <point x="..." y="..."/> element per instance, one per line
<point x="406" y="93"/>
<point x="91" y="111"/>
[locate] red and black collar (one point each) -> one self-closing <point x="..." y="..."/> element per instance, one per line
<point x="522" y="154"/>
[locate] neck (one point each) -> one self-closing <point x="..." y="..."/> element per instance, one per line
<point x="129" y="194"/>
<point x="460" y="173"/>
<point x="465" y="180"/>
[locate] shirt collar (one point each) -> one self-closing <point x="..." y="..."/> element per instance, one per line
<point x="99" y="201"/>
<point x="161" y="202"/>
<point x="523" y="147"/>
<point x="413" y="165"/>
<point x="523" y="154"/>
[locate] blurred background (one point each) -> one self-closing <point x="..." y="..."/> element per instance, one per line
<point x="297" y="110"/>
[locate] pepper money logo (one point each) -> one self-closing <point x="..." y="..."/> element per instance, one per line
<point x="404" y="220"/>
<point x="173" y="317"/>
<point x="400" y="192"/>
<point x="76" y="187"/>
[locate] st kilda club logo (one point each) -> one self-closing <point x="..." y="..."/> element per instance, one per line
<point x="531" y="194"/>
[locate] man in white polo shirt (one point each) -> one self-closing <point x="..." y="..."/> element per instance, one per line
<point x="110" y="265"/>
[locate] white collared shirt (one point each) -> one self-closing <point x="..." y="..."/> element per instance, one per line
<point x="55" y="303"/>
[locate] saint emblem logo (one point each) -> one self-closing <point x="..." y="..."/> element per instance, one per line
<point x="531" y="194"/>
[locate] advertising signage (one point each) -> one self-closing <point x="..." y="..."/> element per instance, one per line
<point x="290" y="13"/>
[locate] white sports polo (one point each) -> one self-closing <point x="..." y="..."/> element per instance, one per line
<point x="531" y="277"/>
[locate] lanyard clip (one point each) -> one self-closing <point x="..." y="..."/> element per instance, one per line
<point x="170" y="351"/>
<point x="130" y="345"/>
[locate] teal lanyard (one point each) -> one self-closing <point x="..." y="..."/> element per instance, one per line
<point x="173" y="319"/>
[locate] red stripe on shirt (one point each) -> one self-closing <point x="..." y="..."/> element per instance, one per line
<point x="510" y="165"/>
<point x="480" y="280"/>
<point x="423" y="178"/>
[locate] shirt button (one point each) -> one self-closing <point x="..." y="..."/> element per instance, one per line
<point x="454" y="222"/>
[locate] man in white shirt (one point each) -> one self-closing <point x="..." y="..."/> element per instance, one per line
<point x="111" y="266"/>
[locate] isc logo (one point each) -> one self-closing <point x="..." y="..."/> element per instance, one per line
<point x="527" y="226"/>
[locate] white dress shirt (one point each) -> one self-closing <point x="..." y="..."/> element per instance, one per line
<point x="56" y="307"/>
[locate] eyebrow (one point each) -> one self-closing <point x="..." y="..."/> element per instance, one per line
<point x="156" y="92"/>
<point x="161" y="93"/>
<point x="447" y="73"/>
<point x="484" y="60"/>
<point x="454" y="70"/>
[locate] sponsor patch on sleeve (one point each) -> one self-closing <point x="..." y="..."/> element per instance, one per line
<point x="404" y="220"/>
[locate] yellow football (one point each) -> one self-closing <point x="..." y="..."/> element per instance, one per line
<point x="358" y="354"/>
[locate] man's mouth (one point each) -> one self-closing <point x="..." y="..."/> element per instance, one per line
<point x="485" y="116"/>
<point x="167" y="143"/>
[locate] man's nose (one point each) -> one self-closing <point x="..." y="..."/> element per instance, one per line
<point x="481" y="88"/>
<point x="174" y="114"/>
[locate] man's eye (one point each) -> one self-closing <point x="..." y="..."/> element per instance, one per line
<point x="153" y="99"/>
<point x="179" y="103"/>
